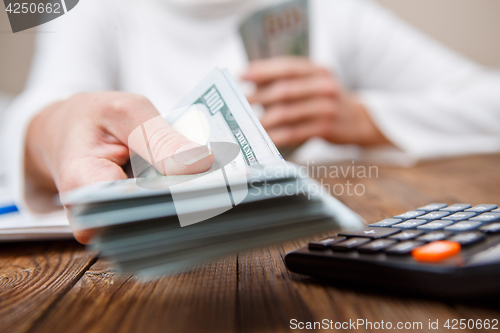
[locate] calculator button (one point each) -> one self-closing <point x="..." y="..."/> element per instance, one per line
<point x="491" y="228"/>
<point x="463" y="226"/>
<point x="325" y="243"/>
<point x="385" y="223"/>
<point x="432" y="207"/>
<point x="496" y="211"/>
<point x="376" y="245"/>
<point x="435" y="225"/>
<point x="487" y="217"/>
<point x="433" y="216"/>
<point x="407" y="234"/>
<point x="409" y="224"/>
<point x="481" y="208"/>
<point x="350" y="244"/>
<point x="404" y="247"/>
<point x="468" y="238"/>
<point x="456" y="208"/>
<point x="409" y="215"/>
<point x="434" y="236"/>
<point x="436" y="251"/>
<point x="372" y="232"/>
<point x="462" y="216"/>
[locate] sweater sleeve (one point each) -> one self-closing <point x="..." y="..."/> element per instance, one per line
<point x="428" y="101"/>
<point x="74" y="53"/>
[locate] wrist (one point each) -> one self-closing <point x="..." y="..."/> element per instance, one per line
<point x="36" y="170"/>
<point x="369" y="133"/>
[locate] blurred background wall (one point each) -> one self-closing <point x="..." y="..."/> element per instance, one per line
<point x="471" y="27"/>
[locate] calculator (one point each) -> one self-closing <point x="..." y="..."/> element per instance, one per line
<point x="438" y="250"/>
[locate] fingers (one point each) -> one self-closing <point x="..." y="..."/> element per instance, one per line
<point x="88" y="170"/>
<point x="282" y="114"/>
<point x="84" y="236"/>
<point x="136" y="122"/>
<point x="268" y="70"/>
<point x="283" y="91"/>
<point x="297" y="134"/>
<point x="170" y="152"/>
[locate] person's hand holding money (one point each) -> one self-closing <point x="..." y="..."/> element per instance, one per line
<point x="302" y="101"/>
<point x="85" y="139"/>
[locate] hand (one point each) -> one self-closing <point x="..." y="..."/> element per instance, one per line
<point x="302" y="101"/>
<point x="85" y="139"/>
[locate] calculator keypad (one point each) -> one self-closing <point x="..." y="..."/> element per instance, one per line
<point x="463" y="226"/>
<point x="432" y="207"/>
<point x="435" y="225"/>
<point x="407" y="234"/>
<point x="468" y="238"/>
<point x="481" y="208"/>
<point x="325" y="243"/>
<point x="456" y="208"/>
<point x="462" y="216"/>
<point x="409" y="215"/>
<point x="350" y="244"/>
<point x="434" y="236"/>
<point x="409" y="224"/>
<point x="372" y="232"/>
<point x="433" y="216"/>
<point x="487" y="217"/>
<point x="492" y="228"/>
<point x="377" y="245"/>
<point x="386" y="223"/>
<point x="441" y="227"/>
<point x="404" y="247"/>
<point x="436" y="251"/>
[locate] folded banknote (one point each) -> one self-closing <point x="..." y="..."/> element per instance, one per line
<point x="280" y="30"/>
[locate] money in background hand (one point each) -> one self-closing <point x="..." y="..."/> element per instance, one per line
<point x="277" y="31"/>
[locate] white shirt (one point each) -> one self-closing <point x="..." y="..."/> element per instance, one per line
<point x="429" y="101"/>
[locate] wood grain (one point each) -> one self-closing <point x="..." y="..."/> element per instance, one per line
<point x="202" y="300"/>
<point x="250" y="292"/>
<point x="33" y="276"/>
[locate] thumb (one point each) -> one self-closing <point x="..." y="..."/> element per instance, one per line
<point x="137" y="123"/>
<point x="167" y="150"/>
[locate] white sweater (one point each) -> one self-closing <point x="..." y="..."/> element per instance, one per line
<point x="429" y="101"/>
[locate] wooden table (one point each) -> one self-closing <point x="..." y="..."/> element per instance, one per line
<point x="62" y="287"/>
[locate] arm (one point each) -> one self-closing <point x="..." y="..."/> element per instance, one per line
<point x="392" y="84"/>
<point x="64" y="138"/>
<point x="73" y="53"/>
<point x="427" y="100"/>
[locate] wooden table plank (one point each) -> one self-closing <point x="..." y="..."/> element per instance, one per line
<point x="269" y="292"/>
<point x="102" y="301"/>
<point x="33" y="276"/>
<point x="249" y="292"/>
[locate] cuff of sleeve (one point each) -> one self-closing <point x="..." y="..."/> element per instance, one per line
<point x="395" y="116"/>
<point x="17" y="119"/>
<point x="431" y="126"/>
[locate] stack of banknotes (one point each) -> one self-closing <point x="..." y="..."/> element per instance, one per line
<point x="156" y="224"/>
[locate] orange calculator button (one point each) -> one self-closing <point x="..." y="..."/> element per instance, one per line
<point x="436" y="251"/>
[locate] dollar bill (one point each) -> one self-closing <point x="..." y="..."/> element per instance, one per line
<point x="229" y="118"/>
<point x="279" y="30"/>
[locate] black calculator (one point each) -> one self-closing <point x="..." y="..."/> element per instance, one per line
<point x="439" y="250"/>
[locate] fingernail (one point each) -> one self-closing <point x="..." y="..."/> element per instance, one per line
<point x="190" y="154"/>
